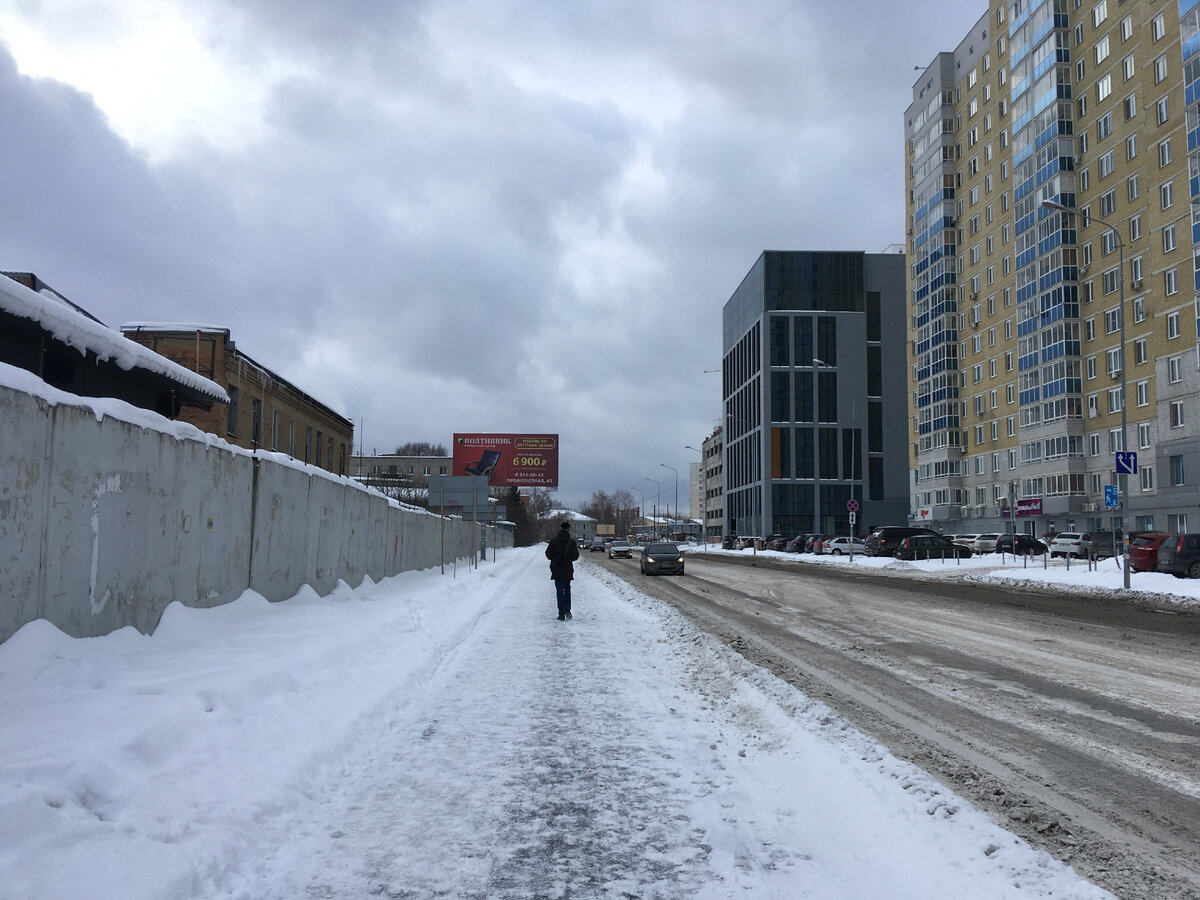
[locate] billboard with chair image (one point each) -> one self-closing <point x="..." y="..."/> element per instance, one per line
<point x="509" y="460"/>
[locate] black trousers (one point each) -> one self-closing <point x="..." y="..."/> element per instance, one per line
<point x="562" y="587"/>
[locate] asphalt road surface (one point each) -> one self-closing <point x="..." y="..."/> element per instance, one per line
<point x="1073" y="721"/>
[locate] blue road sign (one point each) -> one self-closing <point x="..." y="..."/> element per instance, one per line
<point x="1110" y="496"/>
<point x="1126" y="462"/>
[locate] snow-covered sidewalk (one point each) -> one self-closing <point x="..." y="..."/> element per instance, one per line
<point x="439" y="736"/>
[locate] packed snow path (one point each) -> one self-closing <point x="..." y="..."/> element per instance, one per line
<point x="438" y="737"/>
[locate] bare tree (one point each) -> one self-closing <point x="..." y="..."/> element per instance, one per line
<point x="421" y="448"/>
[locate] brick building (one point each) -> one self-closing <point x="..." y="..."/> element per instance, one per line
<point x="265" y="410"/>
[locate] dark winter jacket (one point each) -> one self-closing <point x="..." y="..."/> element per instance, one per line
<point x="562" y="551"/>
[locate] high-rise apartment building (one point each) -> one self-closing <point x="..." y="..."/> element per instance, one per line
<point x="1053" y="177"/>
<point x="813" y="395"/>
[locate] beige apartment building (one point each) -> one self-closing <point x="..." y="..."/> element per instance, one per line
<point x="1052" y="170"/>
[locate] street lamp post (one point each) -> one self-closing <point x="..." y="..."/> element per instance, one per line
<point x="853" y="445"/>
<point x="672" y="468"/>
<point x="1122" y="478"/>
<point x="642" y="508"/>
<point x="703" y="497"/>
<point x="657" y="497"/>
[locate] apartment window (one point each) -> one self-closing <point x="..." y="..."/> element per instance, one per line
<point x="1129" y="104"/>
<point x="1134" y="187"/>
<point x="1089" y="329"/>
<point x="1166" y="194"/>
<point x="1105" y="164"/>
<point x="1147" y="476"/>
<point x="1080" y="69"/>
<point x="1173" y="325"/>
<point x="1177" y="476"/>
<point x="1101" y="50"/>
<point x="1114" y="400"/>
<point x="274" y="429"/>
<point x="1108" y="203"/>
<point x="1175" y="369"/>
<point x="1162" y="109"/>
<point x="1135" y="227"/>
<point x="1113" y="359"/>
<point x="1143" y="435"/>
<point x="1143" y="393"/>
<point x="1103" y="89"/>
<point x="1094" y="446"/>
<point x="231" y="415"/>
<point x="1139" y="352"/>
<point x="1176" y="413"/>
<point x="1157" y="27"/>
<point x="1160" y="69"/>
<point x="308" y="439"/>
<point x="1131" y="146"/>
<point x="1168" y="234"/>
<point x="1164" y="153"/>
<point x="1104" y="124"/>
<point x="255" y="421"/>
<point x="1171" y="282"/>
<point x="1127" y="67"/>
<point x="1108" y="242"/>
<point x="1099" y="13"/>
<point x="1091" y="368"/>
<point x="1085" y="178"/>
<point x="292" y="437"/>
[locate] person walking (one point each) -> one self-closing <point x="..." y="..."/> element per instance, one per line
<point x="562" y="551"/>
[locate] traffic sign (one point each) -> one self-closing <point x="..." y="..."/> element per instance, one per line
<point x="1126" y="462"/>
<point x="852" y="505"/>
<point x="853" y="518"/>
<point x="1110" y="496"/>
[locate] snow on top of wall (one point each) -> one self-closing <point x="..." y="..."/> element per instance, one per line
<point x="83" y="334"/>
<point x="18" y="379"/>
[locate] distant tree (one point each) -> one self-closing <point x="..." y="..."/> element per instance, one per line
<point x="540" y="502"/>
<point x="611" y="509"/>
<point x="421" y="448"/>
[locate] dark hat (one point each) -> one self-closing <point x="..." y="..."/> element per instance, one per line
<point x="566" y="525"/>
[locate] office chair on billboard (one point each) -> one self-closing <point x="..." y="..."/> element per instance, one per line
<point x="486" y="465"/>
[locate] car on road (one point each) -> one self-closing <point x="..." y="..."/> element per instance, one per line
<point x="596" y="546"/>
<point x="1020" y="545"/>
<point x="884" y="541"/>
<point x="620" y="548"/>
<point x="839" y="545"/>
<point x="1071" y="543"/>
<point x="930" y="546"/>
<point x="658" y="559"/>
<point x="1179" y="555"/>
<point x="985" y="543"/>
<point x="1143" y="550"/>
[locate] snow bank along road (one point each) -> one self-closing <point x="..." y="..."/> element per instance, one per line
<point x="447" y="737"/>
<point x="1073" y="720"/>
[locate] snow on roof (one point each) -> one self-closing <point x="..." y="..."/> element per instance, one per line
<point x="568" y="514"/>
<point x="187" y="327"/>
<point x="84" y="334"/>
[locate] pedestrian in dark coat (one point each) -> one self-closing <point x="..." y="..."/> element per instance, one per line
<point x="562" y="551"/>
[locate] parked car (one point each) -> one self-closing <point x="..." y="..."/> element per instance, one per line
<point x="747" y="542"/>
<point x="986" y="543"/>
<point x="796" y="544"/>
<point x="839" y="545"/>
<point x="776" y="542"/>
<point x="1072" y="544"/>
<point x="1179" y="554"/>
<point x="1020" y="545"/>
<point x="1106" y="543"/>
<point x="810" y="546"/>
<point x="596" y="546"/>
<point x="930" y="546"/>
<point x="1143" y="550"/>
<point x="884" y="541"/>
<point x="967" y="540"/>
<point x="659" y="558"/>
<point x="729" y="542"/>
<point x="620" y="548"/>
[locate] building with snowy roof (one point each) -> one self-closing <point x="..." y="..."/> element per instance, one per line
<point x="70" y="349"/>
<point x="265" y="410"/>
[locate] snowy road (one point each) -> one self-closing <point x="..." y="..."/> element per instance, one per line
<point x="431" y="736"/>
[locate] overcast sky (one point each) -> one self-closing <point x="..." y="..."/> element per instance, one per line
<point x="459" y="216"/>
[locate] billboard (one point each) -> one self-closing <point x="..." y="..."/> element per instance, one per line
<point x="509" y="460"/>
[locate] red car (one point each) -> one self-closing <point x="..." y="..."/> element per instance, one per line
<point x="1143" y="550"/>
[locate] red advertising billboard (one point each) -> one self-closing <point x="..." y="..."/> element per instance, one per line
<point x="518" y="460"/>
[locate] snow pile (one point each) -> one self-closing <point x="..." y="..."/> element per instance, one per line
<point x="437" y="735"/>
